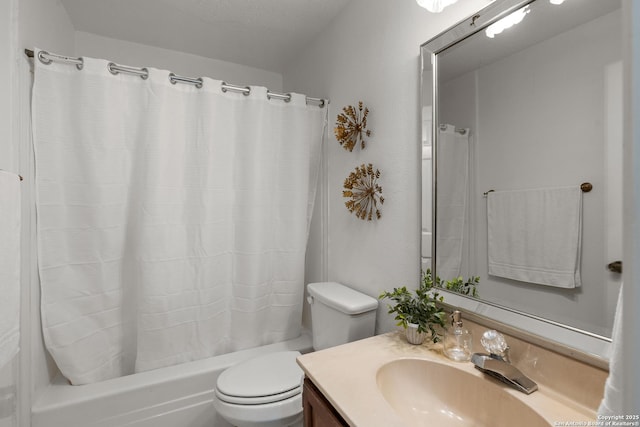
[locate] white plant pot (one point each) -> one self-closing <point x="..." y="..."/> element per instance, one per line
<point x="412" y="334"/>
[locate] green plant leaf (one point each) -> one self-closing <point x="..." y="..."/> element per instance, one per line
<point x="418" y="306"/>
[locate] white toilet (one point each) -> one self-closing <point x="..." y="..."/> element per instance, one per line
<point x="266" y="391"/>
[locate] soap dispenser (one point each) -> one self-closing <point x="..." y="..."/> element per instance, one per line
<point x="457" y="339"/>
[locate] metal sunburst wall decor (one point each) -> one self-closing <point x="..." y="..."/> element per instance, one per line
<point x="351" y="126"/>
<point x="363" y="192"/>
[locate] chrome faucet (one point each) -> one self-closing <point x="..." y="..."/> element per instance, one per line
<point x="497" y="364"/>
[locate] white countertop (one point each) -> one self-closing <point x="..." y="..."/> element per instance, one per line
<point x="347" y="376"/>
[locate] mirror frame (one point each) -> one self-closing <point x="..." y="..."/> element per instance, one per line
<point x="579" y="344"/>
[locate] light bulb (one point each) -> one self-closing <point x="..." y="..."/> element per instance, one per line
<point x="507" y="22"/>
<point x="435" y="6"/>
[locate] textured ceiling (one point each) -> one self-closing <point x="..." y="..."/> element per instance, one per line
<point x="259" y="33"/>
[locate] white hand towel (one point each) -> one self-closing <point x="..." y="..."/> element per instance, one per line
<point x="535" y="236"/>
<point x="612" y="402"/>
<point x="9" y="266"/>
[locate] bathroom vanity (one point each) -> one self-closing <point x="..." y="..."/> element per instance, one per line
<point x="318" y="411"/>
<point x="385" y="381"/>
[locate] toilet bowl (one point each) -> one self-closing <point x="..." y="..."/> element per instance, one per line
<point x="266" y="391"/>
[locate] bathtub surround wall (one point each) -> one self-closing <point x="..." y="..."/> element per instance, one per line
<point x="10" y="206"/>
<point x="8" y="161"/>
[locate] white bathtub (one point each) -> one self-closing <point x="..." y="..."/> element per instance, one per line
<point x="176" y="396"/>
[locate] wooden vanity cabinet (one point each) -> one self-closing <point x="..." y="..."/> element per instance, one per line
<point x="318" y="412"/>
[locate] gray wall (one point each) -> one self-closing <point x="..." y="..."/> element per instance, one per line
<point x="371" y="53"/>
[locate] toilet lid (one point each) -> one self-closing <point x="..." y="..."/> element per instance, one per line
<point x="267" y="377"/>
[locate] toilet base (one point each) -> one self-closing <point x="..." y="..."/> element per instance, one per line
<point x="285" y="413"/>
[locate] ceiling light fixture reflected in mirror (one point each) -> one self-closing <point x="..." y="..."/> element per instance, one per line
<point x="507" y="22"/>
<point x="435" y="6"/>
<point x="556" y="1"/>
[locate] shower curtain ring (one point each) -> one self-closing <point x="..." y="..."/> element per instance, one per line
<point x="41" y="57"/>
<point x="246" y="90"/>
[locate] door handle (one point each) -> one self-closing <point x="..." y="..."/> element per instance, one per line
<point x="615" y="266"/>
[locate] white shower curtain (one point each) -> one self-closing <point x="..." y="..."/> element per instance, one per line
<point x="453" y="171"/>
<point x="172" y="220"/>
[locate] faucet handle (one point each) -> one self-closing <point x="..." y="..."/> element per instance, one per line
<point x="494" y="343"/>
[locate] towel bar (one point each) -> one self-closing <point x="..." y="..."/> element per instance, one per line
<point x="585" y="187"/>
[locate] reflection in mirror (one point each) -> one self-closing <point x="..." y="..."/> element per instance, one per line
<point x="522" y="111"/>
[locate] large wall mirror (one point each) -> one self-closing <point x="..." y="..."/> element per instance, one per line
<point x="521" y="104"/>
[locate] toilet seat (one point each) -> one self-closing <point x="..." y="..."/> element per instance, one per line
<point x="259" y="400"/>
<point x="262" y="380"/>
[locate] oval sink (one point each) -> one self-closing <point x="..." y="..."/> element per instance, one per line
<point x="427" y="393"/>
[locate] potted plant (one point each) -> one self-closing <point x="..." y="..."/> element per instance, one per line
<point x="417" y="312"/>
<point x="460" y="286"/>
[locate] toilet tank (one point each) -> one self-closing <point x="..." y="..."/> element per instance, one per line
<point x="339" y="314"/>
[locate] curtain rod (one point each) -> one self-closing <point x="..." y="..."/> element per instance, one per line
<point x="47" y="58"/>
